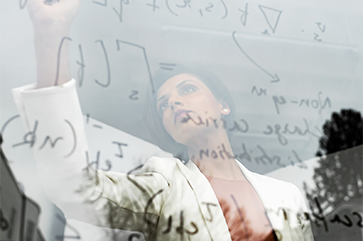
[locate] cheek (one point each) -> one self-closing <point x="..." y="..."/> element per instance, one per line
<point x="208" y="105"/>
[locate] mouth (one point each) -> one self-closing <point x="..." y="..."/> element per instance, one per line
<point x="179" y="114"/>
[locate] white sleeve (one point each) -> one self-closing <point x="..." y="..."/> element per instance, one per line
<point x="54" y="119"/>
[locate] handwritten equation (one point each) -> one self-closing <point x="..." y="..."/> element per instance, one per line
<point x="280" y="131"/>
<point x="219" y="9"/>
<point x="253" y="154"/>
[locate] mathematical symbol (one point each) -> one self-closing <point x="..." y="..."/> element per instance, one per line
<point x="166" y="66"/>
<point x="265" y="32"/>
<point x="102" y="4"/>
<point x="225" y="9"/>
<point x="50" y="141"/>
<point x="209" y="7"/>
<point x="244" y="15"/>
<point x="321" y="28"/>
<point x="145" y="58"/>
<point x="7" y="122"/>
<point x="81" y="67"/>
<point x="238" y="209"/>
<point x="201" y="12"/>
<point x="278" y="100"/>
<point x="107" y="66"/>
<point x="74" y="138"/>
<point x="186" y="3"/>
<point x="30" y="134"/>
<point x="275" y="77"/>
<point x="259" y="93"/>
<point x="167" y="5"/>
<point x="209" y="211"/>
<point x="119" y="148"/>
<point x="59" y="58"/>
<point x="109" y="165"/>
<point x="316" y="37"/>
<point x="89" y="164"/>
<point x="133" y="95"/>
<point x="272" y="16"/>
<point x="168" y="229"/>
<point x="87" y="118"/>
<point x="300" y="164"/>
<point x="153" y="5"/>
<point x="120" y="12"/>
<point x="22" y="6"/>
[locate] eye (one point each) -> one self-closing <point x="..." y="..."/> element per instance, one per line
<point x="163" y="106"/>
<point x="188" y="89"/>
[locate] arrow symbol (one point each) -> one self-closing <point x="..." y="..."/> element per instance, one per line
<point x="275" y="77"/>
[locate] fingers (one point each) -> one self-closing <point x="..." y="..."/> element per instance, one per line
<point x="49" y="11"/>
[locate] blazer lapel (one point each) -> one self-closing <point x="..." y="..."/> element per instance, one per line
<point x="272" y="207"/>
<point x="209" y="205"/>
<point x="208" y="202"/>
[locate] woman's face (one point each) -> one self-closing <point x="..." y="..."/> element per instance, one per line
<point x="184" y="95"/>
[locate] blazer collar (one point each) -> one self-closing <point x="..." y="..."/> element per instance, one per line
<point x="208" y="202"/>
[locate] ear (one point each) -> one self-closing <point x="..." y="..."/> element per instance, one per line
<point x="225" y="110"/>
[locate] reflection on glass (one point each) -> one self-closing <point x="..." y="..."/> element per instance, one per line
<point x="338" y="192"/>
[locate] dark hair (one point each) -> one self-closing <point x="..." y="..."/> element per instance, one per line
<point x="153" y="120"/>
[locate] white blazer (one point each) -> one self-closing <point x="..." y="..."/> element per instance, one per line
<point x="165" y="199"/>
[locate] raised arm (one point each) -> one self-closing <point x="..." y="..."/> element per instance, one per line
<point x="52" y="21"/>
<point x="53" y="116"/>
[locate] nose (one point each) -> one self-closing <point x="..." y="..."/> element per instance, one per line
<point x="174" y="103"/>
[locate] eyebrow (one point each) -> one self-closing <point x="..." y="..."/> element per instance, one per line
<point x="177" y="86"/>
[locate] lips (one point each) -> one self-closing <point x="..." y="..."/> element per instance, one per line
<point x="179" y="114"/>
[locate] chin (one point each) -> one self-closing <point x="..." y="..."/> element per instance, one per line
<point x="189" y="132"/>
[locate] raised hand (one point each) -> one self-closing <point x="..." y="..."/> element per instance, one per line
<point x="52" y="20"/>
<point x="44" y="13"/>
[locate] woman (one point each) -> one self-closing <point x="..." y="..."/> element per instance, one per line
<point x="212" y="197"/>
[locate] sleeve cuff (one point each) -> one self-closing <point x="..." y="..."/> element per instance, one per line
<point x="30" y="90"/>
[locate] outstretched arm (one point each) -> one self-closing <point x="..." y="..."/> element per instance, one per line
<point x="52" y="24"/>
